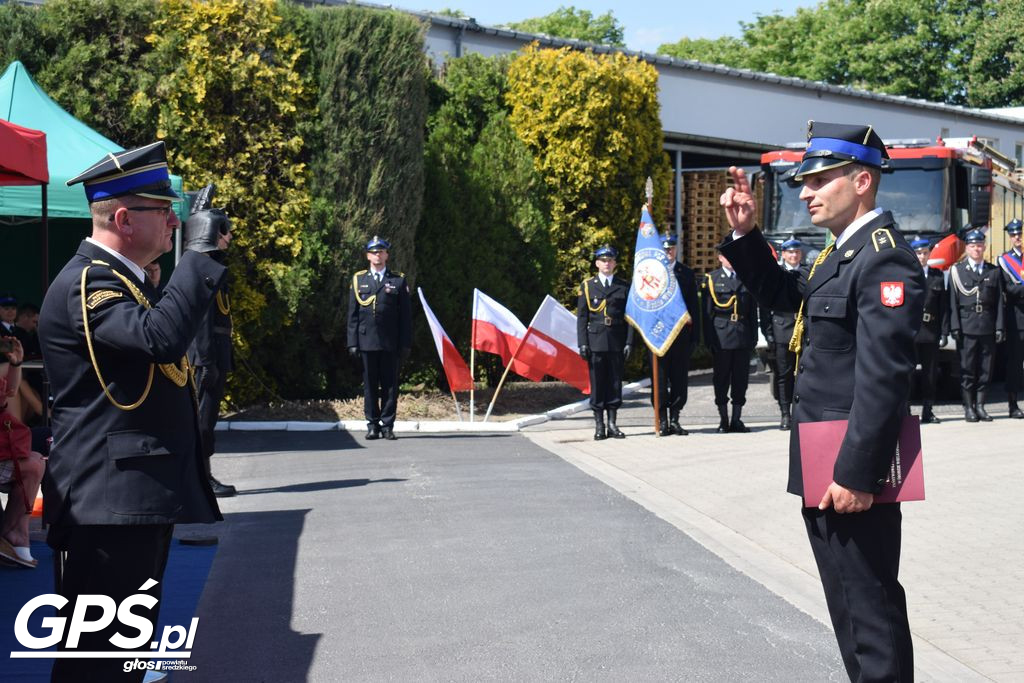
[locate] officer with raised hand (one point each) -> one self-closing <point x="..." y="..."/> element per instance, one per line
<point x="730" y="331"/>
<point x="1012" y="265"/>
<point x="779" y="332"/>
<point x="126" y="462"/>
<point x="604" y="339"/>
<point x="861" y="306"/>
<point x="380" y="332"/>
<point x="934" y="328"/>
<point x="976" y="322"/>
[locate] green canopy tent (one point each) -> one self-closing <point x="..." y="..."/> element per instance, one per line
<point x="71" y="147"/>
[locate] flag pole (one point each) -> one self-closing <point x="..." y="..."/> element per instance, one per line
<point x="649" y="191"/>
<point x="508" y="367"/>
<point x="472" y="370"/>
<point x="458" y="411"/>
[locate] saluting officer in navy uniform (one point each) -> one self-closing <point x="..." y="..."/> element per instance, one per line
<point x="126" y="462"/>
<point x="976" y="322"/>
<point x="730" y="331"/>
<point x="1012" y="264"/>
<point x="674" y="366"/>
<point x="861" y="306"/>
<point x="934" y="330"/>
<point x="605" y="339"/>
<point x="778" y="332"/>
<point x="379" y="330"/>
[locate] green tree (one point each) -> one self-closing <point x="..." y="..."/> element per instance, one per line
<point x="996" y="69"/>
<point x="593" y="126"/>
<point x="917" y="48"/>
<point x="486" y="225"/>
<point x="20" y="37"/>
<point x="569" y="22"/>
<point x="225" y="84"/>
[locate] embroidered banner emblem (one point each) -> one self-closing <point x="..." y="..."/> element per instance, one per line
<point x="892" y="294"/>
<point x="97" y="298"/>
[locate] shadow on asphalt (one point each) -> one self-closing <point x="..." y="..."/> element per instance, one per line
<point x="245" y="633"/>
<point x="269" y="442"/>
<point x="319" y="486"/>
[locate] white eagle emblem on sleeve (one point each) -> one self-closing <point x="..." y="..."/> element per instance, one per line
<point x="892" y="294"/>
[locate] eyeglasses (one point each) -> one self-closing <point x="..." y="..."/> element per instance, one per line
<point x="166" y="210"/>
<point x="605" y="258"/>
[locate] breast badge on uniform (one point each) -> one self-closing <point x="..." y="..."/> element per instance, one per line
<point x="892" y="294"/>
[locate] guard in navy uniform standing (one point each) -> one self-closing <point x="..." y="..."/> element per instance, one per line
<point x="862" y="306"/>
<point x="778" y="332"/>
<point x="674" y="366"/>
<point x="605" y="339"/>
<point x="976" y="322"/>
<point x="934" y="330"/>
<point x="126" y="462"/>
<point x="730" y="331"/>
<point x="1012" y="264"/>
<point x="380" y="331"/>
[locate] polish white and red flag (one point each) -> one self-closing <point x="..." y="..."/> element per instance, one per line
<point x="497" y="330"/>
<point x="549" y="346"/>
<point x="455" y="369"/>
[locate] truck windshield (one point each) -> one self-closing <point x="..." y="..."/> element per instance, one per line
<point x="916" y="197"/>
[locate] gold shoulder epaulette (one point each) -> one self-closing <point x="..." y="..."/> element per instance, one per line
<point x="882" y="239"/>
<point x="360" y="272"/>
<point x="399" y="273"/>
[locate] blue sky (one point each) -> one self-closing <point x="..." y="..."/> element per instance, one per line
<point x="647" y="24"/>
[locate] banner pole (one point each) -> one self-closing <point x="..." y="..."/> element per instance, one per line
<point x="501" y="382"/>
<point x="458" y="411"/>
<point x="472" y="371"/>
<point x="657" y="394"/>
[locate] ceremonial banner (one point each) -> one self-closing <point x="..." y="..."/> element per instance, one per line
<point x="655" y="306"/>
<point x="497" y="330"/>
<point x="455" y="369"/>
<point x="1013" y="267"/>
<point x="549" y="346"/>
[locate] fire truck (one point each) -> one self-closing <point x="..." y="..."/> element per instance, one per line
<point x="936" y="190"/>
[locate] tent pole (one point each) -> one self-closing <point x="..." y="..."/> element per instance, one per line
<point x="46" y="243"/>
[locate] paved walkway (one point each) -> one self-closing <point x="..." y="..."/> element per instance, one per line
<point x="962" y="548"/>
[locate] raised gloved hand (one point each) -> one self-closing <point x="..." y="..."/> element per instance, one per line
<point x="585" y="352"/>
<point x="353" y="351"/>
<point x="1000" y="336"/>
<point x="958" y="336"/>
<point x="203" y="230"/>
<point x="626" y="350"/>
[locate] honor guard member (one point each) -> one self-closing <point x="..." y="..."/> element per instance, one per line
<point x="976" y="322"/>
<point x="211" y="353"/>
<point x="861" y="306"/>
<point x="778" y="332"/>
<point x="1012" y="264"/>
<point x="730" y="331"/>
<point x="379" y="330"/>
<point x="934" y="330"/>
<point x="604" y="338"/>
<point x="674" y="366"/>
<point x="126" y="462"/>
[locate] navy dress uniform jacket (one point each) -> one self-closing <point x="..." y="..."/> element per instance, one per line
<point x="935" y="319"/>
<point x="383" y="321"/>
<point x="601" y="319"/>
<point x="859" y="352"/>
<point x="110" y="466"/>
<point x="964" y="314"/>
<point x="721" y="331"/>
<point x="782" y="323"/>
<point x="686" y="340"/>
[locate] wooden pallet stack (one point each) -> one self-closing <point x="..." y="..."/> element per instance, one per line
<point x="704" y="223"/>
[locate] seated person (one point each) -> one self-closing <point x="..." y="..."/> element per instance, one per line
<point x="21" y="469"/>
<point x="26" y="325"/>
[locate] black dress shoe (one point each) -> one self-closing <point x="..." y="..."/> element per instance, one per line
<point x="389" y="434"/>
<point x="677" y="428"/>
<point x="737" y="427"/>
<point x="372" y="433"/>
<point x="930" y="418"/>
<point x="666" y="429"/>
<point x="222" y="490"/>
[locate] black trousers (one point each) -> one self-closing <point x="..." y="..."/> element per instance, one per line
<point x="1014" y="363"/>
<point x="785" y="364"/>
<point x="210" y="382"/>
<point x="927" y="355"/>
<point x="730" y="375"/>
<point x="977" y="353"/>
<point x="606" y="379"/>
<point x="380" y="387"/>
<point x="111" y="560"/>
<point x="673" y="380"/>
<point x="858" y="558"/>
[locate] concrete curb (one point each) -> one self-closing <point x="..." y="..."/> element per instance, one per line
<point x="425" y="426"/>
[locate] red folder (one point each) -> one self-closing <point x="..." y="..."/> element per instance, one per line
<point x="819" y="448"/>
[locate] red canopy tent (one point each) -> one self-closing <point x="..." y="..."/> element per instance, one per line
<point x="23" y="162"/>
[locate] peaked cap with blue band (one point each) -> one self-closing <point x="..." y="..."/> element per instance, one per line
<point x="975" y="237"/>
<point x="141" y="171"/>
<point x="1014" y="227"/>
<point x="378" y="244"/>
<point x="792" y="244"/>
<point x="831" y="145"/>
<point x="669" y="240"/>
<point x="606" y="251"/>
<point x="920" y="243"/>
